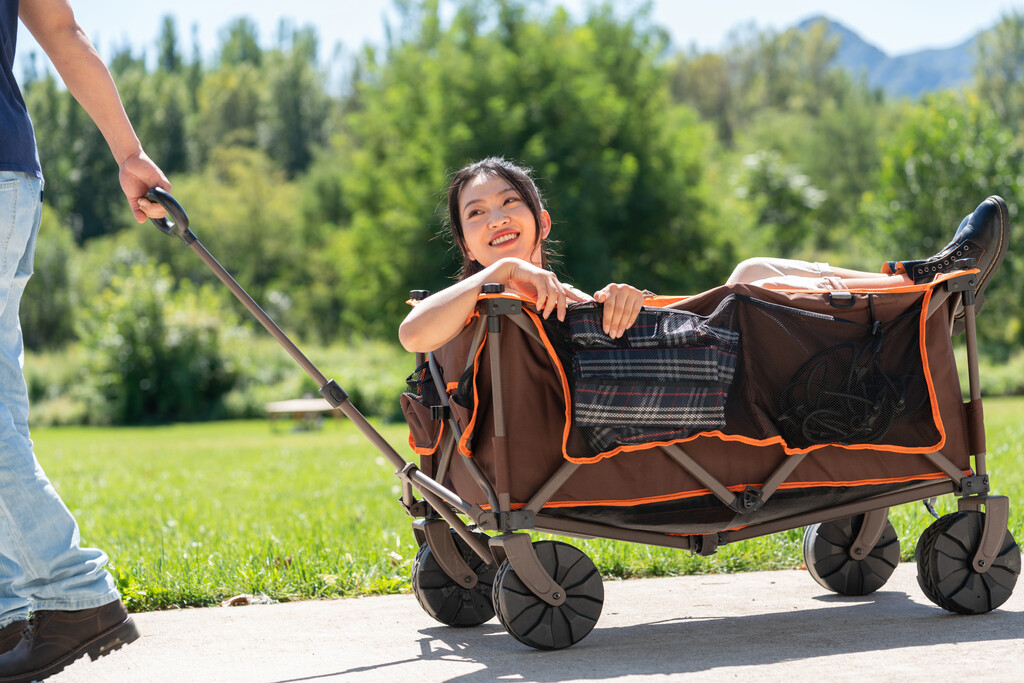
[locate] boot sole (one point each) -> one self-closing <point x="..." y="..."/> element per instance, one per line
<point x="101" y="645"/>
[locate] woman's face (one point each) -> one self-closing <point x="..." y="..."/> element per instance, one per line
<point x="497" y="222"/>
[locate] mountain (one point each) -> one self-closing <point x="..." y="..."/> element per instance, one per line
<point x="908" y="75"/>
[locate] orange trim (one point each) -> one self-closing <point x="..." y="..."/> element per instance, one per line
<point x="927" y="288"/>
<point x="926" y="368"/>
<point x="742" y="487"/>
<point x="867" y="482"/>
<point x="561" y="375"/>
<point x="900" y="289"/>
<point x="426" y="450"/>
<point x="468" y="431"/>
<point x="736" y="488"/>
<point x="775" y="440"/>
<point x="662" y="301"/>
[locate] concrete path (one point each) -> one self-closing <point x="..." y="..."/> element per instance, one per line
<point x="762" y="626"/>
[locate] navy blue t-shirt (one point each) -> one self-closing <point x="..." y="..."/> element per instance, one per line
<point x="17" y="140"/>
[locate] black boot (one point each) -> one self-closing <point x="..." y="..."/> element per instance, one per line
<point x="896" y="267"/>
<point x="983" y="236"/>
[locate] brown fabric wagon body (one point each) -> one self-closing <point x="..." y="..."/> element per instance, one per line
<point x="642" y="485"/>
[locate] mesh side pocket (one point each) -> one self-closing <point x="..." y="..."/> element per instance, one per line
<point x="420" y="386"/>
<point x="816" y="379"/>
<point x="424" y="431"/>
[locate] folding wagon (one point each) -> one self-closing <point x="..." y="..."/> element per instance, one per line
<point x="720" y="417"/>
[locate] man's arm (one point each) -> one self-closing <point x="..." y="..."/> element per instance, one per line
<point x="52" y="23"/>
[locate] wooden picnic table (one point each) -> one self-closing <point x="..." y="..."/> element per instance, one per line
<point x="306" y="411"/>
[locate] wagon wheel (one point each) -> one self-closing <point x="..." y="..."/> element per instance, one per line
<point x="925" y="582"/>
<point x="945" y="555"/>
<point x="445" y="600"/>
<point x="536" y="623"/>
<point x="827" y="556"/>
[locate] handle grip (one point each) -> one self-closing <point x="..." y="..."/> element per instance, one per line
<point x="179" y="223"/>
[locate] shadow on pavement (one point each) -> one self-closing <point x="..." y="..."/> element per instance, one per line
<point x="887" y="620"/>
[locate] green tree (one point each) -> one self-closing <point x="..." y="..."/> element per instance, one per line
<point x="585" y="104"/>
<point x="249" y="215"/>
<point x="240" y="44"/>
<point x="762" y="71"/>
<point x="703" y="80"/>
<point x="169" y="58"/>
<point x="947" y="155"/>
<point x="229" y="111"/>
<point x="999" y="70"/>
<point x="81" y="174"/>
<point x="297" y="104"/>
<point x="838" y="152"/>
<point x="784" y="202"/>
<point x="47" y="309"/>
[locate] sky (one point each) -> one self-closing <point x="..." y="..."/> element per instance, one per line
<point x="894" y="26"/>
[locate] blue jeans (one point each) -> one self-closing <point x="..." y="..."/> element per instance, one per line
<point x="42" y="566"/>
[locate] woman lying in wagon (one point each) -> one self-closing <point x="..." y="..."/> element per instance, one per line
<point x="498" y="221"/>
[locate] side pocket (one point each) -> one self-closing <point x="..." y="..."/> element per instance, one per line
<point x="424" y="432"/>
<point x="667" y="379"/>
<point x="841" y="382"/>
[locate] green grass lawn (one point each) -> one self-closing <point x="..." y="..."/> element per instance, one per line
<point x="191" y="514"/>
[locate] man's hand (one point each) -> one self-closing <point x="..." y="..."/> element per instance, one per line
<point x="137" y="175"/>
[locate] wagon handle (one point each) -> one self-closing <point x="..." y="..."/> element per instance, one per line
<point x="329" y="389"/>
<point x="179" y="224"/>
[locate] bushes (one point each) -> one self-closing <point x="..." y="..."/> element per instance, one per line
<point x="47" y="308"/>
<point x="153" y="355"/>
<point x="372" y="372"/>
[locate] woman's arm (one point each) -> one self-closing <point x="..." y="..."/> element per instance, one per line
<point x="441" y="316"/>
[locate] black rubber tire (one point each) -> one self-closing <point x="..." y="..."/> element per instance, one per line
<point x="945" y="556"/>
<point x="442" y="598"/>
<point x="923" y="580"/>
<point x="827" y="556"/>
<point x="534" y="622"/>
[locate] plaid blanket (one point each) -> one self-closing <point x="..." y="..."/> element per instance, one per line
<point x="667" y="377"/>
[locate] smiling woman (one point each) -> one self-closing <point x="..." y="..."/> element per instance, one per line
<point x="499" y="224"/>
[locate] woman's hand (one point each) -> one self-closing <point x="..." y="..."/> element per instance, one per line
<point x="533" y="281"/>
<point x="621" y="307"/>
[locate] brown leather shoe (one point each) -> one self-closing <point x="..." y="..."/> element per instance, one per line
<point x="10" y="635"/>
<point x="55" y="639"/>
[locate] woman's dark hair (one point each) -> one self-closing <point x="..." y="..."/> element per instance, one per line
<point x="518" y="178"/>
